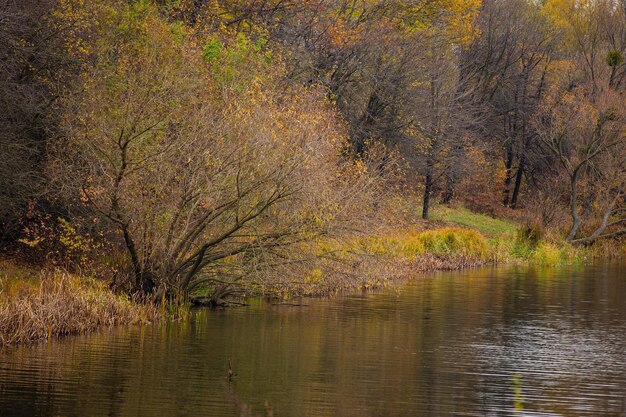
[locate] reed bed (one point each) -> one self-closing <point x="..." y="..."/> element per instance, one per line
<point x="56" y="303"/>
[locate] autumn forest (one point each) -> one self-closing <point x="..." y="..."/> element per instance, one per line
<point x="158" y="153"/>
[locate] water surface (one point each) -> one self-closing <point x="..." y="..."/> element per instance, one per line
<point x="488" y="342"/>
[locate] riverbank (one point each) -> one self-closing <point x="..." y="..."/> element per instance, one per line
<point x="40" y="305"/>
<point x="454" y="238"/>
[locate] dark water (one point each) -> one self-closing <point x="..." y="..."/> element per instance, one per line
<point x="492" y="342"/>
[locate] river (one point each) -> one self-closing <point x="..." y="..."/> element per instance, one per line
<point x="486" y="342"/>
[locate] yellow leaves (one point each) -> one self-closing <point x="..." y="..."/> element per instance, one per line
<point x="360" y="166"/>
<point x="578" y="19"/>
<point x="31" y="242"/>
<point x="314" y="276"/>
<point x="460" y="19"/>
<point x="557" y="11"/>
<point x="562" y="12"/>
<point x="69" y="238"/>
<point x="453" y="18"/>
<point x="72" y="18"/>
<point x="82" y="22"/>
<point x="321" y="219"/>
<point x="75" y="244"/>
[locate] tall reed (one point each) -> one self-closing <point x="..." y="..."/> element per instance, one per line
<point x="57" y="304"/>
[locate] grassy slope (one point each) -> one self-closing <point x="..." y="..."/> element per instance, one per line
<point x="489" y="226"/>
<point x="459" y="234"/>
<point x="507" y="242"/>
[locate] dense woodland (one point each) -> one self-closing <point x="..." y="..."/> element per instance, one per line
<point x="176" y="145"/>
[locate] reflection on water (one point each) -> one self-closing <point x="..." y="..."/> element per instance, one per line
<point x="491" y="342"/>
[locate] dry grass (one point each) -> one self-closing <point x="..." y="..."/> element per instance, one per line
<point x="40" y="306"/>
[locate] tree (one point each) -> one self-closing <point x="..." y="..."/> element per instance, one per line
<point x="439" y="115"/>
<point x="506" y="69"/>
<point x="376" y="59"/>
<point x="584" y="127"/>
<point x="31" y="62"/>
<point x="582" y="123"/>
<point x="202" y="167"/>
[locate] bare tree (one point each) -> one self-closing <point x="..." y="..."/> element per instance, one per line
<point x="31" y="61"/>
<point x="584" y="128"/>
<point x="506" y="68"/>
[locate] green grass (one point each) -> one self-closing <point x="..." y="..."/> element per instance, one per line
<point x="504" y="239"/>
<point x="447" y="241"/>
<point x="489" y="226"/>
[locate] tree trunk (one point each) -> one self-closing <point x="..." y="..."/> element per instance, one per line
<point x="368" y="120"/>
<point x="574" y="204"/>
<point x="448" y="195"/>
<point x="519" y="176"/>
<point x="604" y="225"/>
<point x="134" y="258"/>
<point x="428" y="186"/>
<point x="588" y="203"/>
<point x="507" y="179"/>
